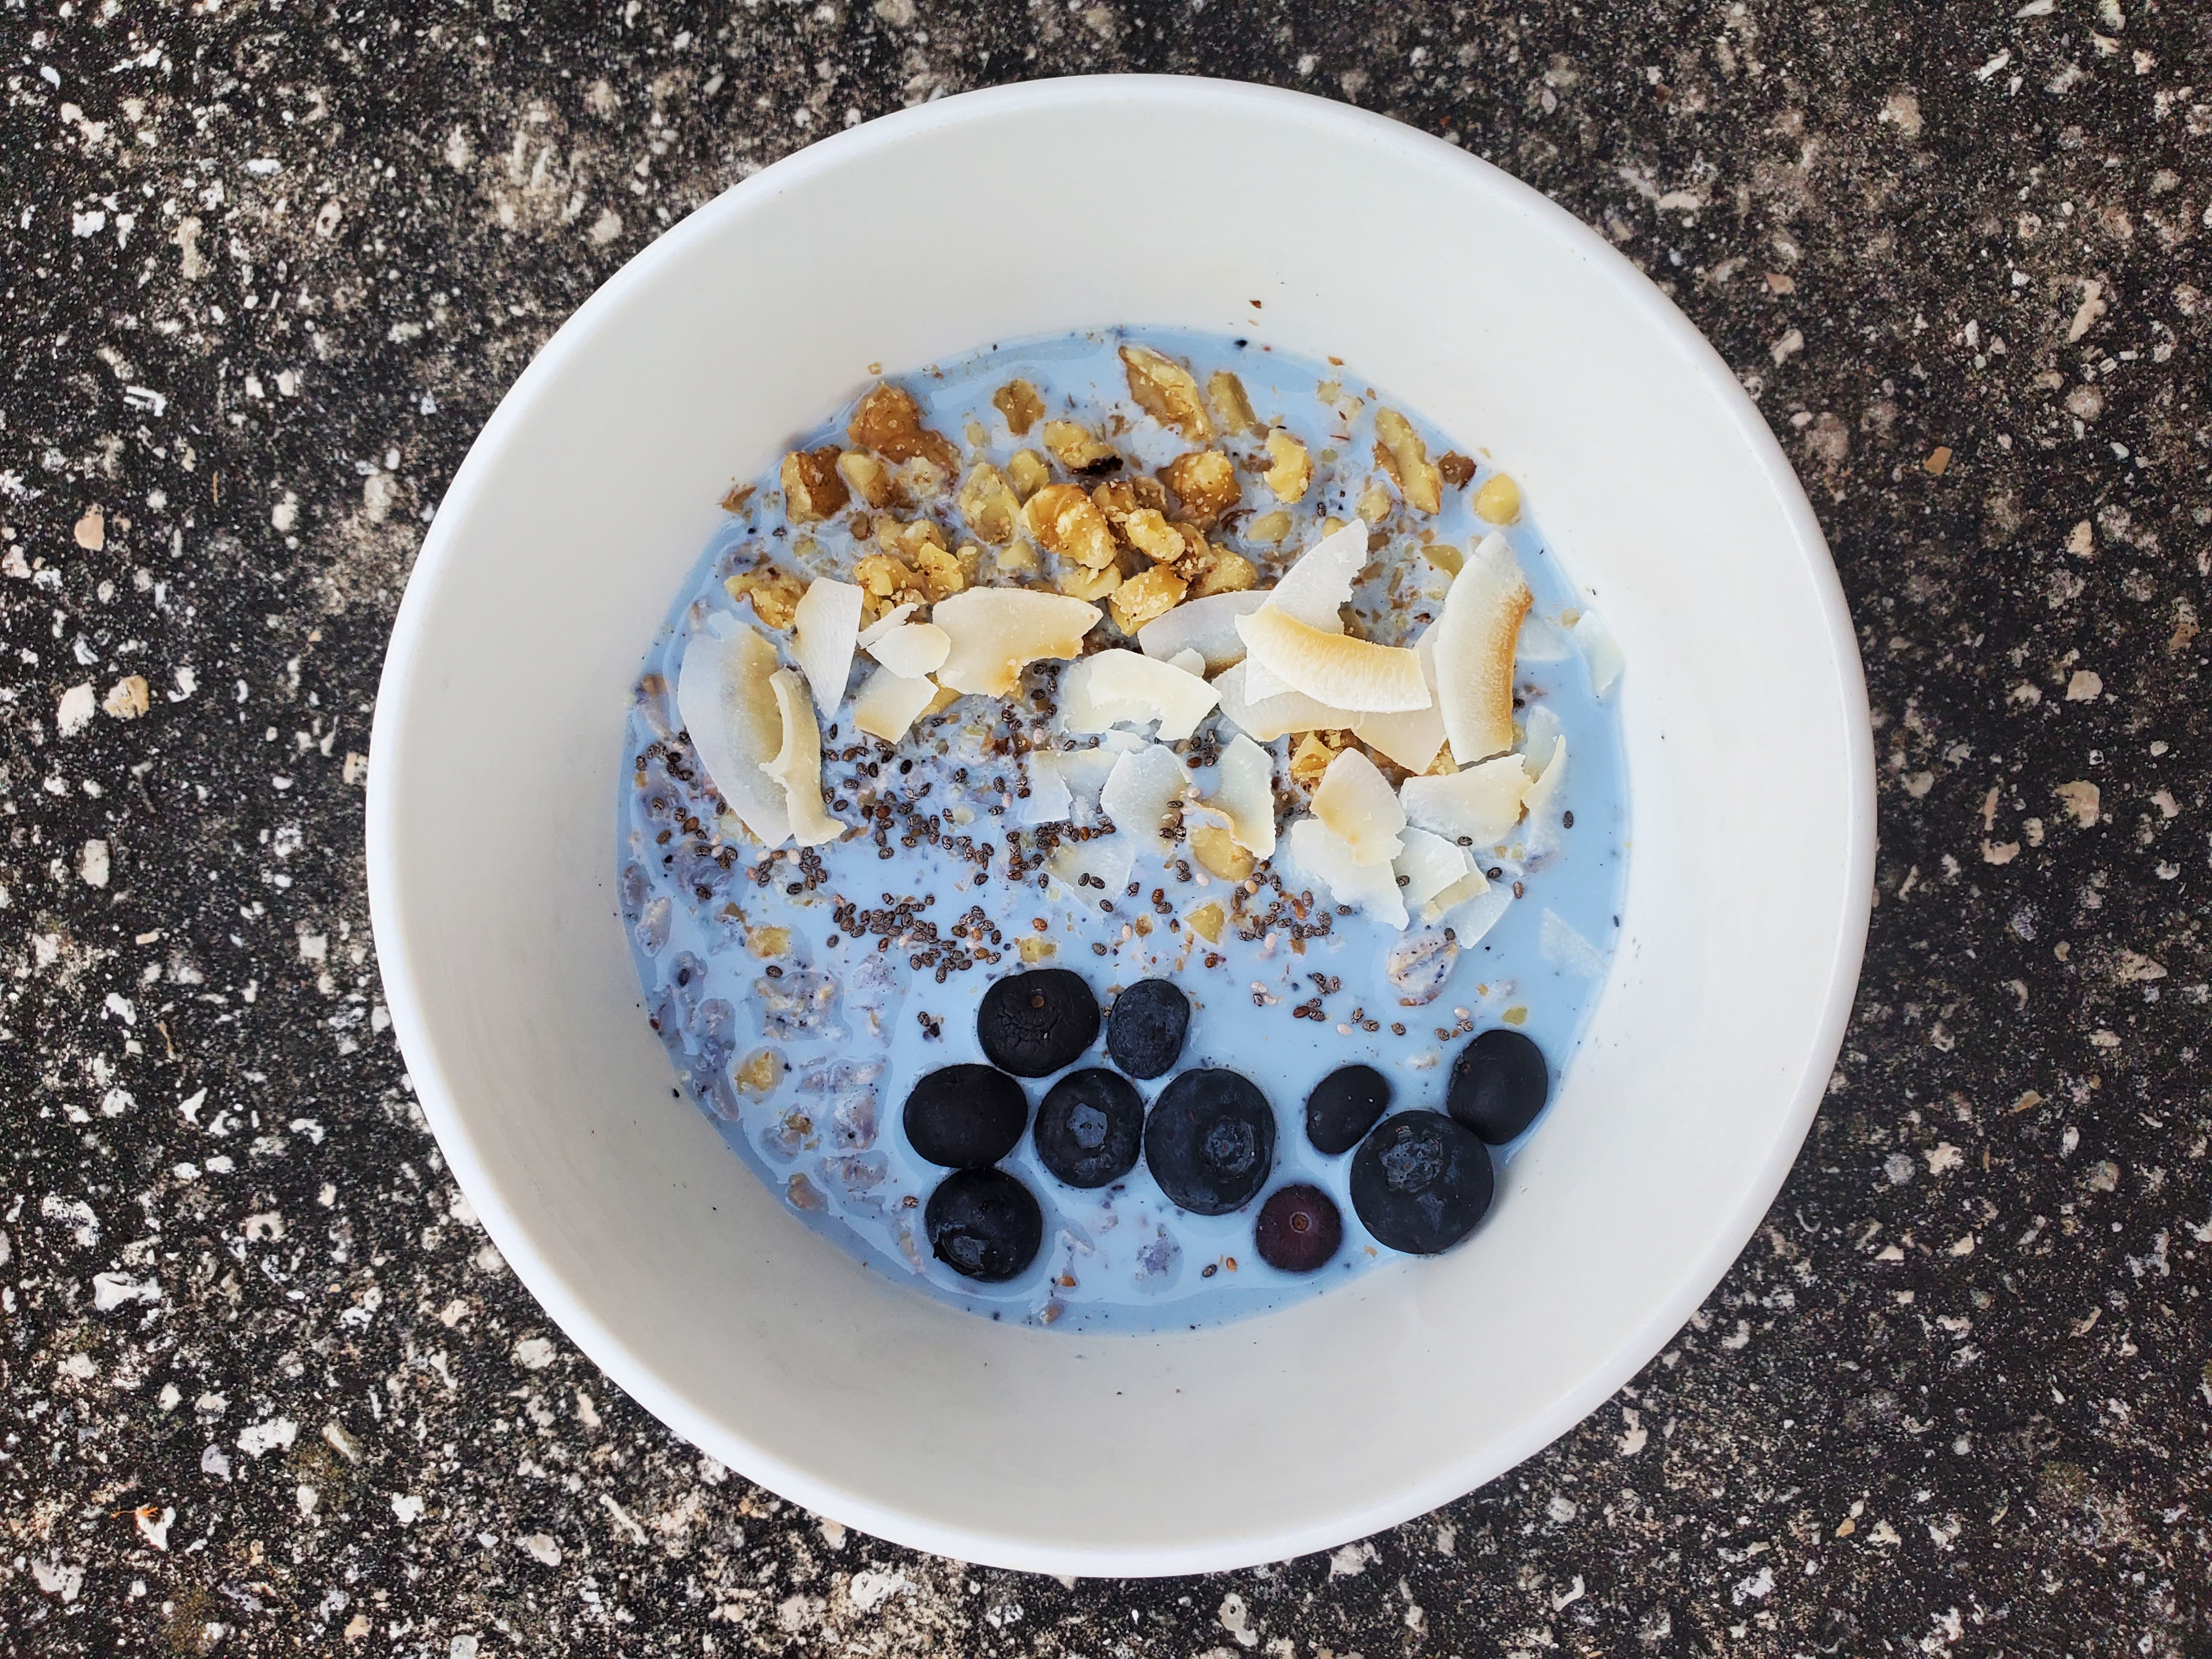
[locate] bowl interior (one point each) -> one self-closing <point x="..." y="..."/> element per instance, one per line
<point x="591" y="494"/>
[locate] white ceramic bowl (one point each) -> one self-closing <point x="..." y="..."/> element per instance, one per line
<point x="1065" y="204"/>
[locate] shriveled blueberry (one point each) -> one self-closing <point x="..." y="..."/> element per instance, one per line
<point x="1033" y="1024"/>
<point x="1090" y="1127"/>
<point x="1298" y="1228"/>
<point x="1343" y="1106"/>
<point x="1145" y="1030"/>
<point x="966" y="1117"/>
<point x="1420" y="1182"/>
<point x="1497" y="1085"/>
<point x="983" y="1224"/>
<point x="1210" y="1141"/>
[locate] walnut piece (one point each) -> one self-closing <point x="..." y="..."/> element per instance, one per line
<point x="1117" y="498"/>
<point x="923" y="479"/>
<point x="1498" y="500"/>
<point x="1375" y="501"/>
<point x="1403" y="455"/>
<point x="944" y="573"/>
<point x="1215" y="848"/>
<point x="1230" y="405"/>
<point x="868" y="478"/>
<point x="1064" y="520"/>
<point x="1292" y="472"/>
<point x="989" y="506"/>
<point x="1210" y="569"/>
<point x="883" y="577"/>
<point x="1268" y="528"/>
<point x="1311" y="758"/>
<point x="775" y="594"/>
<point x="1456" y="469"/>
<point x="1077" y="449"/>
<point x="889" y="422"/>
<point x="1028" y="473"/>
<point x="1205" y="481"/>
<point x="1019" y="562"/>
<point x="811" y="488"/>
<point x="1164" y="390"/>
<point x="1017" y="400"/>
<point x="1148" y="531"/>
<point x="1145" y="596"/>
<point x="1080" y="583"/>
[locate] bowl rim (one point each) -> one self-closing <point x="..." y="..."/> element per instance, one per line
<point x="413" y="1023"/>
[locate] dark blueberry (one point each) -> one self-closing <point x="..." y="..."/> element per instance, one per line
<point x="1497" y="1085"/>
<point x="1032" y="1025"/>
<point x="966" y="1117"/>
<point x="1299" y="1230"/>
<point x="1090" y="1127"/>
<point x="983" y="1224"/>
<point x="1210" y="1141"/>
<point x="1145" y="1032"/>
<point x="1420" y="1182"/>
<point x="1343" y="1106"/>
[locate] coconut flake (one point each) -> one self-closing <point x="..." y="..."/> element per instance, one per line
<point x="1245" y="795"/>
<point x="1353" y="799"/>
<point x="1475" y="637"/>
<point x="727" y="704"/>
<point x="1083" y="772"/>
<point x="1482" y="803"/>
<point x="1542" y="639"/>
<point x="914" y="649"/>
<point x="1143" y="785"/>
<point x="1565" y="949"/>
<point x="1600" y="652"/>
<point x="798" y="763"/>
<point x="1471" y="922"/>
<point x="826" y="626"/>
<point x="884" y="624"/>
<point x="996" y="632"/>
<point x="1433" y="868"/>
<point x="1207" y="626"/>
<point x="1126" y="688"/>
<point x="1267" y="718"/>
<point x="1105" y="858"/>
<point x="1412" y="737"/>
<point x="1540" y="734"/>
<point x="1190" y="661"/>
<point x="1049" y="800"/>
<point x="1333" y="668"/>
<point x="889" y="704"/>
<point x="1327" y="857"/>
<point x="1546" y="825"/>
<point x="1315" y="590"/>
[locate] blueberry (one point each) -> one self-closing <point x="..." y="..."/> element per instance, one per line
<point x="1299" y="1230"/>
<point x="966" y="1117"/>
<point x="1210" y="1141"/>
<point x="1420" y="1182"/>
<point x="1497" y="1085"/>
<point x="1032" y="1025"/>
<point x="1090" y="1127"/>
<point x="1343" y="1106"/>
<point x="983" y="1224"/>
<point x="1145" y="1032"/>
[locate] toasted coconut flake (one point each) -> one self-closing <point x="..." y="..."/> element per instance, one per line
<point x="1164" y="390"/>
<point x="728" y="703"/>
<point x="890" y="703"/>
<point x="1439" y="873"/>
<point x="1126" y="688"/>
<point x="998" y="631"/>
<point x="1143" y="786"/>
<point x="1474" y="651"/>
<point x="1353" y="799"/>
<point x="1267" y="718"/>
<point x="914" y="649"/>
<point x="825" y="627"/>
<point x="1245" y="795"/>
<point x="798" y="764"/>
<point x="884" y="624"/>
<point x="1414" y="737"/>
<point x="1600" y="652"/>
<point x="1323" y="855"/>
<point x="1543" y="801"/>
<point x="1315" y="590"/>
<point x="1207" y="626"/>
<point x="1482" y="803"/>
<point x="1346" y="673"/>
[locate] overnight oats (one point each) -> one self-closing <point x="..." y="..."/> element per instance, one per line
<point x="1124" y="829"/>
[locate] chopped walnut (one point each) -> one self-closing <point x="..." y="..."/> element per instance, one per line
<point x="1080" y="583"/>
<point x="1214" y="848"/>
<point x="775" y="594"/>
<point x="889" y="422"/>
<point x="811" y="488"/>
<point x="1230" y="405"/>
<point x="1205" y="483"/>
<point x="1205" y="921"/>
<point x="1229" y="572"/>
<point x="1019" y="562"/>
<point x="1028" y="473"/>
<point x="1017" y="400"/>
<point x="1164" y="390"/>
<point x="868" y="478"/>
<point x="1148" y="531"/>
<point x="944" y="573"/>
<point x="923" y="479"/>
<point x="1314" y="752"/>
<point x="905" y="539"/>
<point x="1268" y="528"/>
<point x="1403" y="455"/>
<point x="1077" y="449"/>
<point x="1455" y="468"/>
<point x="1064" y="520"/>
<point x="1147" y="594"/>
<point x="989" y="505"/>
<point x="738" y="496"/>
<point x="1292" y="472"/>
<point x="1498" y="500"/>
<point x="885" y="577"/>
<point x="1375" y="501"/>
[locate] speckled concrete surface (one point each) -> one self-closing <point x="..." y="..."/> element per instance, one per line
<point x="268" y="1389"/>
